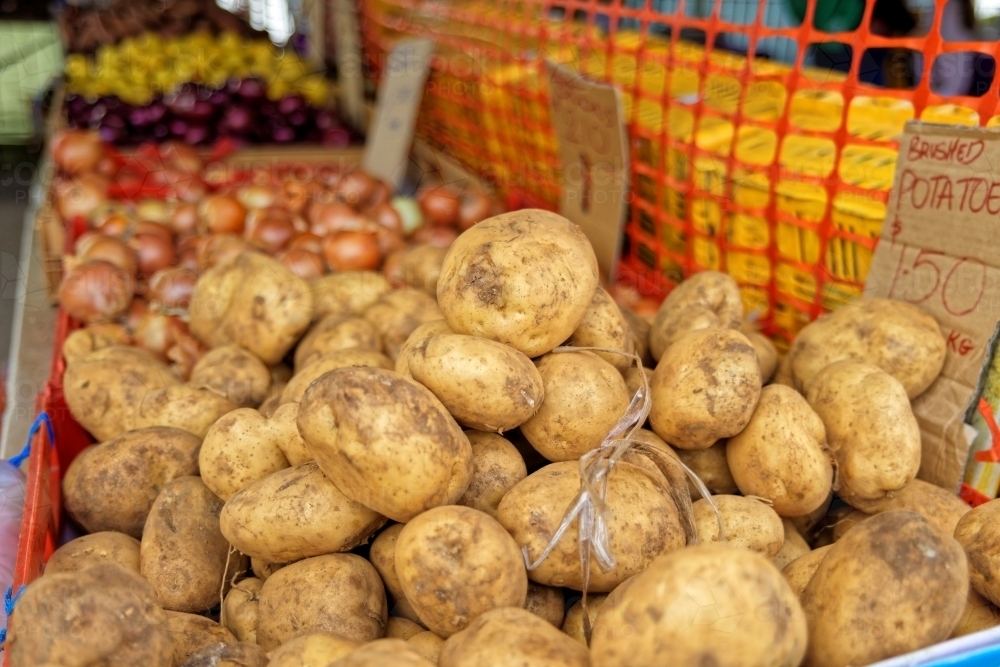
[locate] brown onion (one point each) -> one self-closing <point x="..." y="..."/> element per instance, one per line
<point x="190" y="190"/>
<point x="307" y="241"/>
<point x="108" y="249"/>
<point x="355" y="187"/>
<point x="381" y="194"/>
<point x="136" y="310"/>
<point x="114" y="225"/>
<point x="154" y="210"/>
<point x="77" y="151"/>
<point x="154" y="228"/>
<point x="442" y="237"/>
<point x="439" y="205"/>
<point x="386" y="216"/>
<point x="184" y="219"/>
<point x="255" y="196"/>
<point x="96" y="291"/>
<point x="392" y="268"/>
<point x="185" y="351"/>
<point x="351" y="251"/>
<point x="152" y="333"/>
<point x="107" y="166"/>
<point x="473" y="207"/>
<point x="80" y="197"/>
<point x="187" y="252"/>
<point x="295" y="195"/>
<point x="221" y="214"/>
<point x="335" y="216"/>
<point x="154" y="253"/>
<point x="389" y="241"/>
<point x="303" y="263"/>
<point x="220" y="248"/>
<point x="172" y="287"/>
<point x="271" y="234"/>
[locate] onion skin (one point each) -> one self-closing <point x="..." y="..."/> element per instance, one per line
<point x="96" y="291"/>
<point x="221" y="214"/>
<point x="81" y="196"/>
<point x="303" y="263"/>
<point x="380" y="195"/>
<point x="307" y="241"/>
<point x="440" y="206"/>
<point x="154" y="253"/>
<point x="108" y="249"/>
<point x="392" y="268"/>
<point x="355" y="187"/>
<point x="335" y="216"/>
<point x="219" y="248"/>
<point x="184" y="219"/>
<point x="351" y="251"/>
<point x="271" y="234"/>
<point x="136" y="310"/>
<point x="77" y="152"/>
<point x="386" y="216"/>
<point x="156" y="229"/>
<point x="441" y="237"/>
<point x="474" y="207"/>
<point x="255" y="196"/>
<point x="172" y="287"/>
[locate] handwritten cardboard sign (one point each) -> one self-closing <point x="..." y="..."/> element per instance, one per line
<point x="351" y="85"/>
<point x="399" y="94"/>
<point x="937" y="251"/>
<point x="593" y="151"/>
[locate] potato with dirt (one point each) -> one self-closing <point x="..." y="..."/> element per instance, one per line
<point x="712" y="468"/>
<point x="415" y="339"/>
<point x="385" y="441"/>
<point x="336" y="332"/>
<point x="767" y="354"/>
<point x="573" y="623"/>
<point x="979" y="534"/>
<point x="585" y="397"/>
<point x="293" y="514"/>
<point x="88" y="550"/>
<point x="239" y="449"/>
<point x="604" y="325"/>
<point x="485" y="385"/>
<point x="747" y="523"/>
<point x="546" y="602"/>
<point x="233" y="372"/>
<point x="331" y="361"/>
<point x="455" y="563"/>
<point x="793" y="548"/>
<point x="240" y="654"/>
<point x="314" y="650"/>
<point x="183" y="553"/>
<point x="892" y="585"/>
<point x="662" y="610"/>
<point x="800" y="571"/>
<point x="82" y="342"/>
<point x="496" y="467"/>
<point x="420" y="267"/>
<point x="396" y="314"/>
<point x="427" y="644"/>
<point x="104" y="389"/>
<point x="705" y="388"/>
<point x="781" y="454"/>
<point x="940" y="506"/>
<point x="336" y="593"/>
<point x="863" y="408"/>
<point x="705" y="300"/>
<point x="511" y="637"/>
<point x="347" y="293"/>
<point x="525" y="279"/>
<point x="383" y="652"/>
<point x="112" y="485"/>
<point x="639" y="330"/>
<point x="401" y="628"/>
<point x="58" y="618"/>
<point x="253" y="301"/>
<point x="239" y="609"/>
<point x="182" y="406"/>
<point x="192" y="632"/>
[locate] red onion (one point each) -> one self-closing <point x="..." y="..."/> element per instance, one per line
<point x="96" y="291"/>
<point x="351" y="251"/>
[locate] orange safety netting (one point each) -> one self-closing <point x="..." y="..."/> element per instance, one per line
<point x="775" y="172"/>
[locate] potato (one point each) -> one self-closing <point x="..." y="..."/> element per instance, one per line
<point x="705" y="388"/>
<point x="509" y="637"/>
<point x="280" y="372"/>
<point x="421" y="267"/>
<point x="396" y="314"/>
<point x="253" y="301"/>
<point x="314" y="650"/>
<point x="781" y="454"/>
<point x="94" y="549"/>
<point x="897" y="337"/>
<point x="333" y="333"/>
<point x="112" y="486"/>
<point x="807" y="523"/>
<point x="485" y="385"/>
<point x="347" y="293"/>
<point x="284" y="428"/>
<point x="800" y="571"/>
<point x="233" y="372"/>
<point x="57" y="616"/>
<point x="82" y="342"/>
<point x="182" y="406"/>
<point x="748" y="524"/>
<point x="603" y="325"/>
<point x="712" y="469"/>
<point x="847" y="522"/>
<point x="644" y="523"/>
<point x="694" y="605"/>
<point x="239" y="449"/>
<point x="979" y="533"/>
<point x="496" y="467"/>
<point x="939" y="506"/>
<point x="633" y="379"/>
<point x="192" y="632"/>
<point x="427" y="644"/>
<point x="183" y="553"/>
<point x="381" y="653"/>
<point x="263" y="569"/>
<point x="336" y="593"/>
<point x="794" y="546"/>
<point x="293" y="514"/>
<point x="240" y="654"/>
<point x="767" y="354"/>
<point x="573" y="624"/>
<point x="239" y="610"/>
<point x="273" y="400"/>
<point x="979" y="614"/>
<point x="705" y="300"/>
<point x="783" y="374"/>
<point x="385" y="441"/>
<point x="863" y="408"/>
<point x="383" y="557"/>
<point x="525" y="279"/>
<point x="348" y="358"/>
<point x="401" y="628"/>
<point x="892" y="585"/>
<point x="546" y="602"/>
<point x="104" y="389"/>
<point x="639" y="329"/>
<point x="419" y="335"/>
<point x="585" y="397"/>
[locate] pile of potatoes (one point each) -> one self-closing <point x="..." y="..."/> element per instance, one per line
<point x="356" y="475"/>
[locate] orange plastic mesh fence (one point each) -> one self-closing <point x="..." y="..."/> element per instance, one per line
<point x="774" y="171"/>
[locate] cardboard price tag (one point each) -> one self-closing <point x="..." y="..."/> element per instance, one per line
<point x="593" y="149"/>
<point x="399" y="94"/>
<point x="936" y="251"/>
<point x="351" y="85"/>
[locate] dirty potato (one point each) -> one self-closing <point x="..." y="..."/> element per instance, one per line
<point x="336" y="332"/>
<point x="573" y="624"/>
<point x="603" y="325"/>
<point x="347" y="293"/>
<point x="546" y="602"/>
<point x="746" y="523"/>
<point x="192" y="632"/>
<point x="711" y="467"/>
<point x="94" y="549"/>
<point x="240" y="448"/>
<point x="383" y="652"/>
<point x="182" y="406"/>
<point x="800" y="571"/>
<point x="348" y="358"/>
<point x="496" y="467"/>
<point x="794" y="546"/>
<point x="239" y="609"/>
<point x="396" y="314"/>
<point x="939" y="506"/>
<point x="509" y="637"/>
<point x="705" y="300"/>
<point x="314" y="650"/>
<point x="421" y="267"/>
<point x="233" y="372"/>
<point x="419" y="335"/>
<point x="978" y="531"/>
<point x="427" y="644"/>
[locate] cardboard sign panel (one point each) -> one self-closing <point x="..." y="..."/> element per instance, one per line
<point x="399" y="94"/>
<point x="593" y="149"/>
<point x="351" y="85"/>
<point x="937" y="251"/>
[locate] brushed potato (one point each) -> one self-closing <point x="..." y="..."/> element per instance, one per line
<point x="455" y="563"/>
<point x="335" y="593"/>
<point x="240" y="448"/>
<point x="781" y="454"/>
<point x="192" y="632"/>
<point x="705" y="300"/>
<point x="293" y="514"/>
<point x="979" y="533"/>
<point x="525" y="279"/>
<point x="603" y="325"/>
<point x="314" y="650"/>
<point x="419" y="335"/>
<point x="511" y="637"/>
<point x="347" y="293"/>
<point x="863" y="408"/>
<point x="800" y="571"/>
<point x="705" y="388"/>
<point x="396" y="314"/>
<point x="233" y="372"/>
<point x="89" y="550"/>
<point x="336" y="332"/>
<point x="496" y="467"/>
<point x="485" y="385"/>
<point x="747" y="523"/>
<point x="239" y="609"/>
<point x="584" y="397"/>
<point x="385" y="441"/>
<point x="348" y="358"/>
